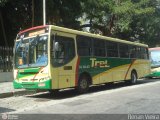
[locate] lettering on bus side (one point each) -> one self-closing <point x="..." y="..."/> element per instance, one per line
<point x="99" y="63"/>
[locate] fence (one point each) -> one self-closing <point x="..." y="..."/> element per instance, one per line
<point x="6" y="59"/>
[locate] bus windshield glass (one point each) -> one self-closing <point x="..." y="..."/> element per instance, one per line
<point x="31" y="52"/>
<point x="155" y="58"/>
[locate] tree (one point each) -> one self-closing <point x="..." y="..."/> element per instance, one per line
<point x="134" y="20"/>
<point x="99" y="14"/>
<point x="131" y="18"/>
<point x="18" y="17"/>
<point x="64" y="13"/>
<point x="125" y="19"/>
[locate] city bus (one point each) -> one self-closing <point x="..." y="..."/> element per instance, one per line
<point x="53" y="58"/>
<point x="155" y="62"/>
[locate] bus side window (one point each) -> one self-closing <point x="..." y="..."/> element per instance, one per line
<point x="144" y="53"/>
<point x="132" y="50"/>
<point x="84" y="46"/>
<point x="123" y="51"/>
<point x="112" y="49"/>
<point x="99" y="48"/>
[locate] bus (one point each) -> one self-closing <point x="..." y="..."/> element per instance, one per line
<point x="155" y="62"/>
<point x="53" y="58"/>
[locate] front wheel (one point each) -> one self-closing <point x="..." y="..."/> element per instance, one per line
<point x="54" y="92"/>
<point x="83" y="84"/>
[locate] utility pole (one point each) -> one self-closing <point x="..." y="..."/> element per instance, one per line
<point x="32" y="13"/>
<point x="44" y="12"/>
<point x="3" y="29"/>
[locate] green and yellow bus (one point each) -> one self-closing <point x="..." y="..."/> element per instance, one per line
<point x="52" y="58"/>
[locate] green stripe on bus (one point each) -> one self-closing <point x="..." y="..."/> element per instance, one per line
<point x="27" y="72"/>
<point x="96" y="66"/>
<point x="32" y="85"/>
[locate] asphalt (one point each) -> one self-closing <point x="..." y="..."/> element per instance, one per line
<point x="7" y="90"/>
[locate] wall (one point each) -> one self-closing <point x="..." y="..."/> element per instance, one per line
<point x="6" y="76"/>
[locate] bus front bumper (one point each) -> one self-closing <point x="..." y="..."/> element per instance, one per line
<point x="32" y="85"/>
<point x="153" y="74"/>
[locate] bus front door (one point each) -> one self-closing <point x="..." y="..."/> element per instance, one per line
<point x="64" y="60"/>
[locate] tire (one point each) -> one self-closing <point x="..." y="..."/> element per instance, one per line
<point x="54" y="92"/>
<point x="83" y="84"/>
<point x="133" y="77"/>
<point x="109" y="84"/>
<point x="150" y="77"/>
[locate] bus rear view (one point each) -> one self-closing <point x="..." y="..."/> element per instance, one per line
<point x="31" y="59"/>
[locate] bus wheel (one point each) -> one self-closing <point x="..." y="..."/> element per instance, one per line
<point x="54" y="92"/>
<point x="83" y="84"/>
<point x="133" y="77"/>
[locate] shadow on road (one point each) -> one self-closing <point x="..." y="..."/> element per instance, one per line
<point x="62" y="94"/>
<point x="3" y="110"/>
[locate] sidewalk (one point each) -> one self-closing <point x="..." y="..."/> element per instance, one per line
<point x="7" y="90"/>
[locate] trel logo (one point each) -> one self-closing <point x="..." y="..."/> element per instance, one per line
<point x="99" y="63"/>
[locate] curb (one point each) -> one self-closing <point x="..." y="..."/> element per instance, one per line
<point x="17" y="93"/>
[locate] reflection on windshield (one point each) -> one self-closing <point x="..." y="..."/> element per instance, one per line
<point x="155" y="58"/>
<point x="31" y="52"/>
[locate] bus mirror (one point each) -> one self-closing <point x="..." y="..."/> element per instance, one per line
<point x="56" y="46"/>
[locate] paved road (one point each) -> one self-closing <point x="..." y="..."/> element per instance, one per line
<point x="142" y="98"/>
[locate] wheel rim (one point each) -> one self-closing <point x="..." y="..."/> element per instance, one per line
<point x="83" y="84"/>
<point x="134" y="78"/>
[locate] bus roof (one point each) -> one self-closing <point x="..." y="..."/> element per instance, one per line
<point x="33" y="28"/>
<point x="67" y="30"/>
<point x="95" y="35"/>
<point x="155" y="48"/>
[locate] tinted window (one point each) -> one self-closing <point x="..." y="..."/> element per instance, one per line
<point x="138" y="52"/>
<point x="112" y="49"/>
<point x="144" y="53"/>
<point x="133" y="53"/>
<point x="84" y="46"/>
<point x="123" y="51"/>
<point x="99" y="47"/>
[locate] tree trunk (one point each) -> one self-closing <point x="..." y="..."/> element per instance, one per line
<point x="3" y="29"/>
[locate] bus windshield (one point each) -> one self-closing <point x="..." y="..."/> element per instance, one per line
<point x="31" y="52"/>
<point x="155" y="58"/>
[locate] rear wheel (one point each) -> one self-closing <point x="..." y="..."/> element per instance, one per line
<point x="83" y="84"/>
<point x="109" y="84"/>
<point x="133" y="78"/>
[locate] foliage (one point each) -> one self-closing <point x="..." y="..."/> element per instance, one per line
<point x="134" y="20"/>
<point x="64" y="13"/>
<point x="2" y="2"/>
<point x="125" y="19"/>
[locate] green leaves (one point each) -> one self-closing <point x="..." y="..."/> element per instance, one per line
<point x="2" y="2"/>
<point x="134" y="20"/>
